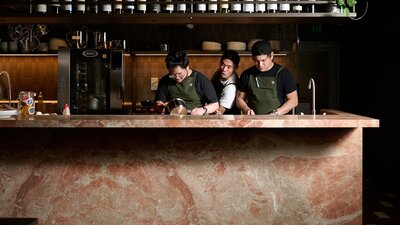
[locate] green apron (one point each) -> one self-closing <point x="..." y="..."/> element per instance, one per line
<point x="263" y="93"/>
<point x="186" y="91"/>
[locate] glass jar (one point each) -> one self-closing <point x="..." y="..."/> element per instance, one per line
<point x="26" y="103"/>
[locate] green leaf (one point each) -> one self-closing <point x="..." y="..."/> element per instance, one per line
<point x="351" y="3"/>
<point x="346" y="11"/>
<point x="340" y="2"/>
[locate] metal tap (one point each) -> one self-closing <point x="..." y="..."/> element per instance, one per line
<point x="311" y="84"/>
<point x="8" y="83"/>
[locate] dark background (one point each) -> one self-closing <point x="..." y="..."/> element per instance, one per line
<point x="369" y="70"/>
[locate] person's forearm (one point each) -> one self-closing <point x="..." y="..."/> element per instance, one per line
<point x="287" y="106"/>
<point x="212" y="107"/>
<point x="242" y="105"/>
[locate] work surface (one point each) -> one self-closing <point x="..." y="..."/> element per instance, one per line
<point x="332" y="119"/>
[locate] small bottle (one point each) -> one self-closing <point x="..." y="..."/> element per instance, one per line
<point x="80" y="6"/>
<point x="272" y="7"/>
<point x="248" y="7"/>
<point x="40" y="7"/>
<point x="182" y="8"/>
<point x="236" y="7"/>
<point x="118" y="6"/>
<point x="94" y="7"/>
<point x="129" y="6"/>
<point x="201" y="7"/>
<point x="55" y="6"/>
<point x="142" y="7"/>
<point x="106" y="7"/>
<point x="297" y="8"/>
<point x="213" y="7"/>
<point x="40" y="103"/>
<point x="260" y="7"/>
<point x="67" y="6"/>
<point x="310" y="7"/>
<point x="66" y="110"/>
<point x="156" y="7"/>
<point x="224" y="6"/>
<point x="284" y="7"/>
<point x="169" y="7"/>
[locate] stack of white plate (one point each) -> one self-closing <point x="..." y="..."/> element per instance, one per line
<point x="211" y="46"/>
<point x="236" y="45"/>
<point x="251" y="43"/>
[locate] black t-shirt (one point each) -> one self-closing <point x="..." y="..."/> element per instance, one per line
<point x="285" y="82"/>
<point x="203" y="87"/>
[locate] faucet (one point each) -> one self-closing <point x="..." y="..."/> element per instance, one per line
<point x="8" y="83"/>
<point x="311" y="84"/>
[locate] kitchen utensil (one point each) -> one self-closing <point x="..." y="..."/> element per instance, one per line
<point x="77" y="39"/>
<point x="176" y="107"/>
<point x="99" y="39"/>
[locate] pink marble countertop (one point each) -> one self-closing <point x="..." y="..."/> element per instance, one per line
<point x="332" y="119"/>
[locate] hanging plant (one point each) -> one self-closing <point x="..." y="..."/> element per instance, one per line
<point x="344" y="6"/>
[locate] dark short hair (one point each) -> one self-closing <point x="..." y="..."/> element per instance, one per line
<point x="262" y="47"/>
<point x="176" y="58"/>
<point x="231" y="55"/>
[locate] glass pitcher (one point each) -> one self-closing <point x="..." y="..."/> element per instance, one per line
<point x="26" y="103"/>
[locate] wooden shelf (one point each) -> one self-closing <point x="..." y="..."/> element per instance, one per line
<point x="181" y="18"/>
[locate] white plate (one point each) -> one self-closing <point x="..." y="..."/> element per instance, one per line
<point x="7" y="113"/>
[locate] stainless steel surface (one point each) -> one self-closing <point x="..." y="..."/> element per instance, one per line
<point x="91" y="81"/>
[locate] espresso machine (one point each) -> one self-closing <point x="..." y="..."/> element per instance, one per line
<point x="91" y="81"/>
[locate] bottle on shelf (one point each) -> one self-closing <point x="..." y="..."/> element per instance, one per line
<point x="169" y="7"/>
<point x="118" y="6"/>
<point x="310" y="8"/>
<point x="94" y="6"/>
<point x="30" y="7"/>
<point x="284" y="7"/>
<point x="248" y="7"/>
<point x="55" y="7"/>
<point x="224" y="6"/>
<point x="106" y="6"/>
<point x="80" y="6"/>
<point x="182" y="7"/>
<point x="156" y="7"/>
<point x="129" y="6"/>
<point x="142" y="7"/>
<point x="213" y="7"/>
<point x="272" y="7"/>
<point x="67" y="6"/>
<point x="260" y="7"/>
<point x="201" y="6"/>
<point x="297" y="7"/>
<point x="40" y="7"/>
<point x="236" y="7"/>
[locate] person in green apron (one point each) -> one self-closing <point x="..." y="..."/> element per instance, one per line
<point x="266" y="87"/>
<point x="187" y="84"/>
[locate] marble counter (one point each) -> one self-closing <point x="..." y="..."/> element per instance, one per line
<point x="194" y="175"/>
<point x="332" y="119"/>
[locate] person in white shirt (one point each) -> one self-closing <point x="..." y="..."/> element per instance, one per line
<point x="225" y="80"/>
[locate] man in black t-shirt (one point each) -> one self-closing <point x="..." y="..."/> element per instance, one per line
<point x="266" y="87"/>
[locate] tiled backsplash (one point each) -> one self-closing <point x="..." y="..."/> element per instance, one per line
<point x="29" y="73"/>
<point x="39" y="73"/>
